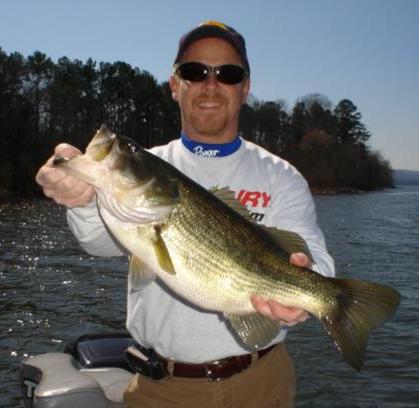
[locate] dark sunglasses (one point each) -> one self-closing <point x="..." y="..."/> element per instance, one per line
<point x="197" y="72"/>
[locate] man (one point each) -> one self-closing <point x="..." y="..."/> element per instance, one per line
<point x="210" y="83"/>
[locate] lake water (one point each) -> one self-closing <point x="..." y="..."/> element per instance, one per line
<point x="51" y="292"/>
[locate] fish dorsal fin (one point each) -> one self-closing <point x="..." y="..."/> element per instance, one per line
<point x="289" y="241"/>
<point x="254" y="330"/>
<point x="153" y="234"/>
<point x="227" y="197"/>
<point x="138" y="270"/>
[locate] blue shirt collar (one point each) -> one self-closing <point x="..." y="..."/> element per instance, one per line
<point x="210" y="149"/>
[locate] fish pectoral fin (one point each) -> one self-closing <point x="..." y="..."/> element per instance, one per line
<point x="153" y="233"/>
<point x="255" y="330"/>
<point x="289" y="241"/>
<point x="163" y="257"/>
<point x="138" y="269"/>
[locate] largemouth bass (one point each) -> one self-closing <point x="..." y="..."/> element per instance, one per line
<point x="206" y="248"/>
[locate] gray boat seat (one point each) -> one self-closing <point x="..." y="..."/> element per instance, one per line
<point x="57" y="380"/>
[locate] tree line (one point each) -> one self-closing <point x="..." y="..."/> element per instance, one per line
<point x="43" y="103"/>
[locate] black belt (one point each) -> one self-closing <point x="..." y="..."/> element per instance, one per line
<point x="148" y="363"/>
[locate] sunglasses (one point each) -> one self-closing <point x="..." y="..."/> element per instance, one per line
<point x="197" y="72"/>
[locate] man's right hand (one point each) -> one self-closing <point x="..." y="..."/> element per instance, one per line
<point x="62" y="188"/>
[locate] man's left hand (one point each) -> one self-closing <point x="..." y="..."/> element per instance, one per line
<point x="288" y="316"/>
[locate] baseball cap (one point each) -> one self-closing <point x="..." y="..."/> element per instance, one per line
<point x="216" y="29"/>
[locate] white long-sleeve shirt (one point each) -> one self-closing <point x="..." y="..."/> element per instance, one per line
<point x="273" y="191"/>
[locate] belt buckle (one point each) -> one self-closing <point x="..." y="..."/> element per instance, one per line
<point x="209" y="370"/>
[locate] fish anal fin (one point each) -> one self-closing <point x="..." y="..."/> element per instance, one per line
<point x="254" y="330"/>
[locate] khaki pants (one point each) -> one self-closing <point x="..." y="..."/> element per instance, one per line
<point x="269" y="382"/>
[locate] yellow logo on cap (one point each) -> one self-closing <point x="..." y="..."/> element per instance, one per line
<point x="215" y="23"/>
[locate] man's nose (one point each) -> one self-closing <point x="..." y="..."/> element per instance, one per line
<point x="211" y="82"/>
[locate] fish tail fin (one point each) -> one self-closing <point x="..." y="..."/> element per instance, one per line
<point x="360" y="307"/>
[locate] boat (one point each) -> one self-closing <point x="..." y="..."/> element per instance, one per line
<point x="92" y="371"/>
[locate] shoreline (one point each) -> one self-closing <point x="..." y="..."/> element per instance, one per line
<point x="315" y="191"/>
<point x="337" y="191"/>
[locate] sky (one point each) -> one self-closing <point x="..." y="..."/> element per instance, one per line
<point x="363" y="50"/>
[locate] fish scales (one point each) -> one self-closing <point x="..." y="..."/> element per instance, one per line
<point x="226" y="261"/>
<point x="216" y="265"/>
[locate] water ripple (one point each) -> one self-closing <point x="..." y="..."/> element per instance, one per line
<point x="51" y="292"/>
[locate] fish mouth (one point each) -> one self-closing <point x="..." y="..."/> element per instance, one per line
<point x="60" y="161"/>
<point x="76" y="166"/>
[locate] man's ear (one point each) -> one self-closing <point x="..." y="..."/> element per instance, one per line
<point x="246" y="90"/>
<point x="174" y="84"/>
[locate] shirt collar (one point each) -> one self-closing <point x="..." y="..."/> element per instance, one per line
<point x="210" y="149"/>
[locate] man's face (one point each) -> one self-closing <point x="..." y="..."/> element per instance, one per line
<point x="210" y="109"/>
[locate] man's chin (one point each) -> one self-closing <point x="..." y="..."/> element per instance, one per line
<point x="209" y="127"/>
<point x="209" y="132"/>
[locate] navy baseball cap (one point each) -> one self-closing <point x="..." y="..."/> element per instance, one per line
<point x="214" y="29"/>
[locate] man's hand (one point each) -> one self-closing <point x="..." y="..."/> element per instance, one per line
<point x="288" y="316"/>
<point x="62" y="188"/>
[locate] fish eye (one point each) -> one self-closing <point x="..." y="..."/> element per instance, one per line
<point x="133" y="147"/>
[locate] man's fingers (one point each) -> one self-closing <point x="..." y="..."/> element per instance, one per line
<point x="78" y="201"/>
<point x="287" y="313"/>
<point x="300" y="259"/>
<point x="65" y="186"/>
<point x="274" y="310"/>
<point x="61" y="187"/>
<point x="84" y="197"/>
<point x="66" y="150"/>
<point x="48" y="175"/>
<point x="262" y="306"/>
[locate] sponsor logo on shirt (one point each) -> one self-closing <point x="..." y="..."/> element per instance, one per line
<point x="200" y="151"/>
<point x="254" y="199"/>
